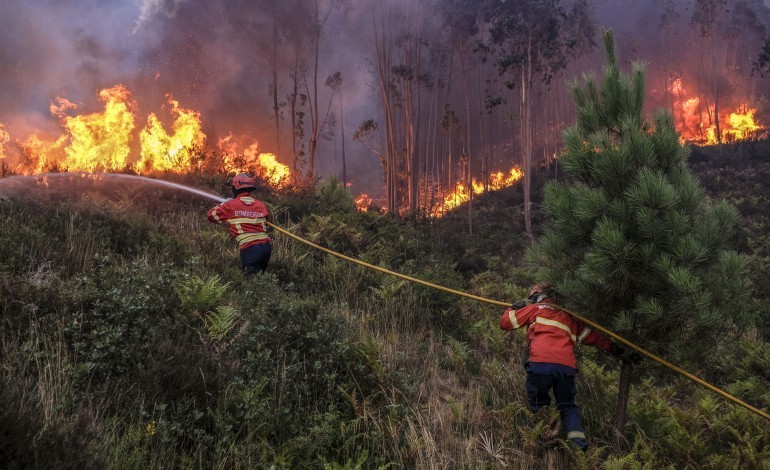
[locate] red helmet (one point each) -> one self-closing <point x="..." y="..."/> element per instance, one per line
<point x="541" y="291"/>
<point x="242" y="181"/>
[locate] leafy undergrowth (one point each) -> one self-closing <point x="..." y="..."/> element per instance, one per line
<point x="130" y="340"/>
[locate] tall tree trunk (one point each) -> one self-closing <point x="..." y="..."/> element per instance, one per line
<point x="484" y="142"/>
<point x="407" y="91"/>
<point x="313" y="99"/>
<point x="275" y="80"/>
<point x="624" y="388"/>
<point x="344" y="166"/>
<point x="463" y="68"/>
<point x="293" y="109"/>
<point x="431" y="142"/>
<point x="418" y="156"/>
<point x="716" y="90"/>
<point x="526" y="136"/>
<point x="383" y="49"/>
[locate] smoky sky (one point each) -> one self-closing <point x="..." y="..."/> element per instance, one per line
<point x="210" y="55"/>
<point x="214" y="57"/>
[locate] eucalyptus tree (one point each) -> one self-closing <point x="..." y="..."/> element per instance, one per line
<point x="630" y="238"/>
<point x="532" y="40"/>
<point x="384" y="46"/>
<point x="460" y="19"/>
<point x="318" y="116"/>
<point x="704" y="22"/>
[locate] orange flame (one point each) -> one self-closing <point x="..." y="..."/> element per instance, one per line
<point x="694" y="122"/>
<point x="363" y="202"/>
<point x="99" y="141"/>
<point x="264" y="165"/>
<point x="60" y="107"/>
<point x="40" y="154"/>
<point x="4" y="139"/>
<point x="171" y="152"/>
<point x="461" y="193"/>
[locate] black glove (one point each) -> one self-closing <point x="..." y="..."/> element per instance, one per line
<point x="519" y="304"/>
<point x="632" y="356"/>
<point x="625" y="354"/>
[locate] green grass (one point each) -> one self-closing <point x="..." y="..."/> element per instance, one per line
<point x="130" y="340"/>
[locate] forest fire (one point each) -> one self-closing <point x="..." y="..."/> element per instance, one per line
<point x="696" y="124"/>
<point x="264" y="165"/>
<point x="461" y="193"/>
<point x="171" y="152"/>
<point x="363" y="202"/>
<point x="105" y="141"/>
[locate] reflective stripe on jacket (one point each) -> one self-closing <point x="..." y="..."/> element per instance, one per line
<point x="552" y="333"/>
<point x="246" y="218"/>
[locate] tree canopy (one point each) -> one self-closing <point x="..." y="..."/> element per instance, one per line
<point x="630" y="237"/>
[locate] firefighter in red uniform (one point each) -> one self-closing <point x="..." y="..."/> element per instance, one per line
<point x="246" y="217"/>
<point x="553" y="335"/>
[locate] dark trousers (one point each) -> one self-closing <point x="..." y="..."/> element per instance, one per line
<point x="543" y="377"/>
<point x="254" y="258"/>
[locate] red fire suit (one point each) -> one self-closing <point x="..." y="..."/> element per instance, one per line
<point x="552" y="333"/>
<point x="246" y="218"/>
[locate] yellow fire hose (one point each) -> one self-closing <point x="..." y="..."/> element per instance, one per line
<point x="588" y="322"/>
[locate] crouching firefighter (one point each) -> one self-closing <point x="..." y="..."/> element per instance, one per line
<point x="552" y="336"/>
<point x="247" y="218"/>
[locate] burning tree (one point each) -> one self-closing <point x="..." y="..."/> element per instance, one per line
<point x="630" y="238"/>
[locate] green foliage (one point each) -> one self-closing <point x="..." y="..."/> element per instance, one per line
<point x="201" y="295"/>
<point x="630" y="237"/>
<point x="334" y="197"/>
<point x="133" y="347"/>
<point x="221" y="321"/>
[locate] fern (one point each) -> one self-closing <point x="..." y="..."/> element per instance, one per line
<point x="202" y="295"/>
<point x="221" y="321"/>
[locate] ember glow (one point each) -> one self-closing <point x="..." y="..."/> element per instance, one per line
<point x="363" y="202"/>
<point x="461" y="193"/>
<point x="694" y="120"/>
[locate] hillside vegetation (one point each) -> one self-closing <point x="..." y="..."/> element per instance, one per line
<point x="130" y="340"/>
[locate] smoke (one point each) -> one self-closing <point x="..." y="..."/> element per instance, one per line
<point x="213" y="56"/>
<point x="216" y="57"/>
<point x="148" y="8"/>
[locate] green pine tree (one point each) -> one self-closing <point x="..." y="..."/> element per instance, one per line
<point x="630" y="238"/>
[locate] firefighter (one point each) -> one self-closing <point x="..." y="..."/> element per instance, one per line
<point x="553" y="335"/>
<point x="247" y="218"/>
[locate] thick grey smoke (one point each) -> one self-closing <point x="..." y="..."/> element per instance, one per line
<point x="215" y="56"/>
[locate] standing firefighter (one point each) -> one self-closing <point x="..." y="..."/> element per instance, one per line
<point x="247" y="219"/>
<point x="553" y="335"/>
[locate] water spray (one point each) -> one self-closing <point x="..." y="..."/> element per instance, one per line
<point x="12" y="182"/>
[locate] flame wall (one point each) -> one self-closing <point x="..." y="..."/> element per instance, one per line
<point x="213" y="57"/>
